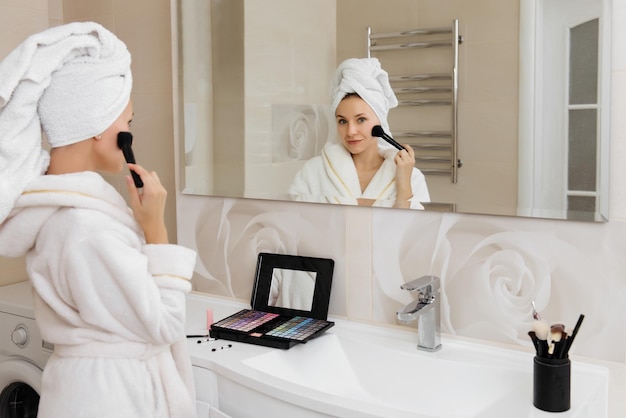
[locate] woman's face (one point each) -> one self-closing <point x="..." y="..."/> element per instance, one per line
<point x="355" y="120"/>
<point x="109" y="155"/>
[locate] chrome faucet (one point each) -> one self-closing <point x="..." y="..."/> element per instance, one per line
<point x="426" y="309"/>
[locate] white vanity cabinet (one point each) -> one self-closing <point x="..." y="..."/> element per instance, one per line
<point x="242" y="402"/>
<point x="207" y="405"/>
<point x="219" y="397"/>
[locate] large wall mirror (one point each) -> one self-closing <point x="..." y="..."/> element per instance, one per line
<point x="531" y="112"/>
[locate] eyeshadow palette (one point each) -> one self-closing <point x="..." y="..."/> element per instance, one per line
<point x="289" y="303"/>
<point x="268" y="329"/>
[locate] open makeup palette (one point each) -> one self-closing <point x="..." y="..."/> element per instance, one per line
<point x="290" y="302"/>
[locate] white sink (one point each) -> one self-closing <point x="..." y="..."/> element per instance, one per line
<point x="358" y="370"/>
<point x="461" y="380"/>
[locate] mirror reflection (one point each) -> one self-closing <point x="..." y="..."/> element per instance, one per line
<point x="531" y="117"/>
<point x="364" y="163"/>
<point x="292" y="289"/>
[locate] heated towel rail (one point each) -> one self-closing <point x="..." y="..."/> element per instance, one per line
<point x="436" y="151"/>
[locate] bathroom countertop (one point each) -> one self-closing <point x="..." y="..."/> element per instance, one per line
<point x="250" y="366"/>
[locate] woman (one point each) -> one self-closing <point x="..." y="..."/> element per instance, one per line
<point x="109" y="290"/>
<point x="362" y="169"/>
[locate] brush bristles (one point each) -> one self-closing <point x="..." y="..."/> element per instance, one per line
<point x="124" y="139"/>
<point x="542" y="329"/>
<point x="378" y="131"/>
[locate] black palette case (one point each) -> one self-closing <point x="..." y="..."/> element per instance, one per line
<point x="290" y="302"/>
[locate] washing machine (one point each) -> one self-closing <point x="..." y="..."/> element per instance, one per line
<point x="23" y="353"/>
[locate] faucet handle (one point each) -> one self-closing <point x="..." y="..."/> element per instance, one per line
<point x="421" y="283"/>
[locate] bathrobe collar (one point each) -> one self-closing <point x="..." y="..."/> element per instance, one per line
<point x="342" y="173"/>
<point x="47" y="194"/>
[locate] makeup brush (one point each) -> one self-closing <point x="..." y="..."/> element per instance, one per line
<point x="559" y="349"/>
<point x="125" y="142"/>
<point x="535" y="313"/>
<point x="533" y="338"/>
<point x="542" y="332"/>
<point x="380" y="133"/>
<point x="570" y="340"/>
<point x="556" y="335"/>
<point x="542" y="329"/>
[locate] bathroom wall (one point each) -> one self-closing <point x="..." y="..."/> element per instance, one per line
<point x="19" y="19"/>
<point x="306" y="41"/>
<point x="234" y="69"/>
<point x="145" y="27"/>
<point x="491" y="267"/>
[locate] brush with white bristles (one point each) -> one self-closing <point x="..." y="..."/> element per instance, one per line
<point x="542" y="332"/>
<point x="556" y="338"/>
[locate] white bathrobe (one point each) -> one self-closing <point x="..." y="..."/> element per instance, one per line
<point x="332" y="177"/>
<point x="113" y="306"/>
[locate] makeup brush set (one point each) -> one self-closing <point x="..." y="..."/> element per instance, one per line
<point x="552" y="366"/>
<point x="552" y="341"/>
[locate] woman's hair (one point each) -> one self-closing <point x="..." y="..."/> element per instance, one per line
<point x="347" y="96"/>
<point x="351" y="95"/>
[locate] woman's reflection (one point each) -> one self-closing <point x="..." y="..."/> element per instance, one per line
<point x="360" y="169"/>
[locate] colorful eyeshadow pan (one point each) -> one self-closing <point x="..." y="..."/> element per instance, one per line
<point x="246" y="320"/>
<point x="298" y="328"/>
<point x="267" y="328"/>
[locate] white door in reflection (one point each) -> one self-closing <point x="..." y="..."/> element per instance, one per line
<point x="567" y="57"/>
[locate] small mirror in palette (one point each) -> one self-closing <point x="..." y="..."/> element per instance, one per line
<point x="290" y="302"/>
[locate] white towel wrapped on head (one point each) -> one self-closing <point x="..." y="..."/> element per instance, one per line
<point x="365" y="77"/>
<point x="73" y="81"/>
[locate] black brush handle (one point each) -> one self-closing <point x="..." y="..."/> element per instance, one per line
<point x="570" y="340"/>
<point x="393" y="142"/>
<point x="380" y="133"/>
<point x="125" y="142"/>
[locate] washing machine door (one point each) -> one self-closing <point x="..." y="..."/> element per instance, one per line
<point x="20" y="385"/>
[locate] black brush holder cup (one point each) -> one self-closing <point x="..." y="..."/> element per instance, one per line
<point x="552" y="384"/>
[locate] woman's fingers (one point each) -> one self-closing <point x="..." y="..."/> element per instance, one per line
<point x="149" y="207"/>
<point x="145" y="175"/>
<point x="409" y="150"/>
<point x="405" y="157"/>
